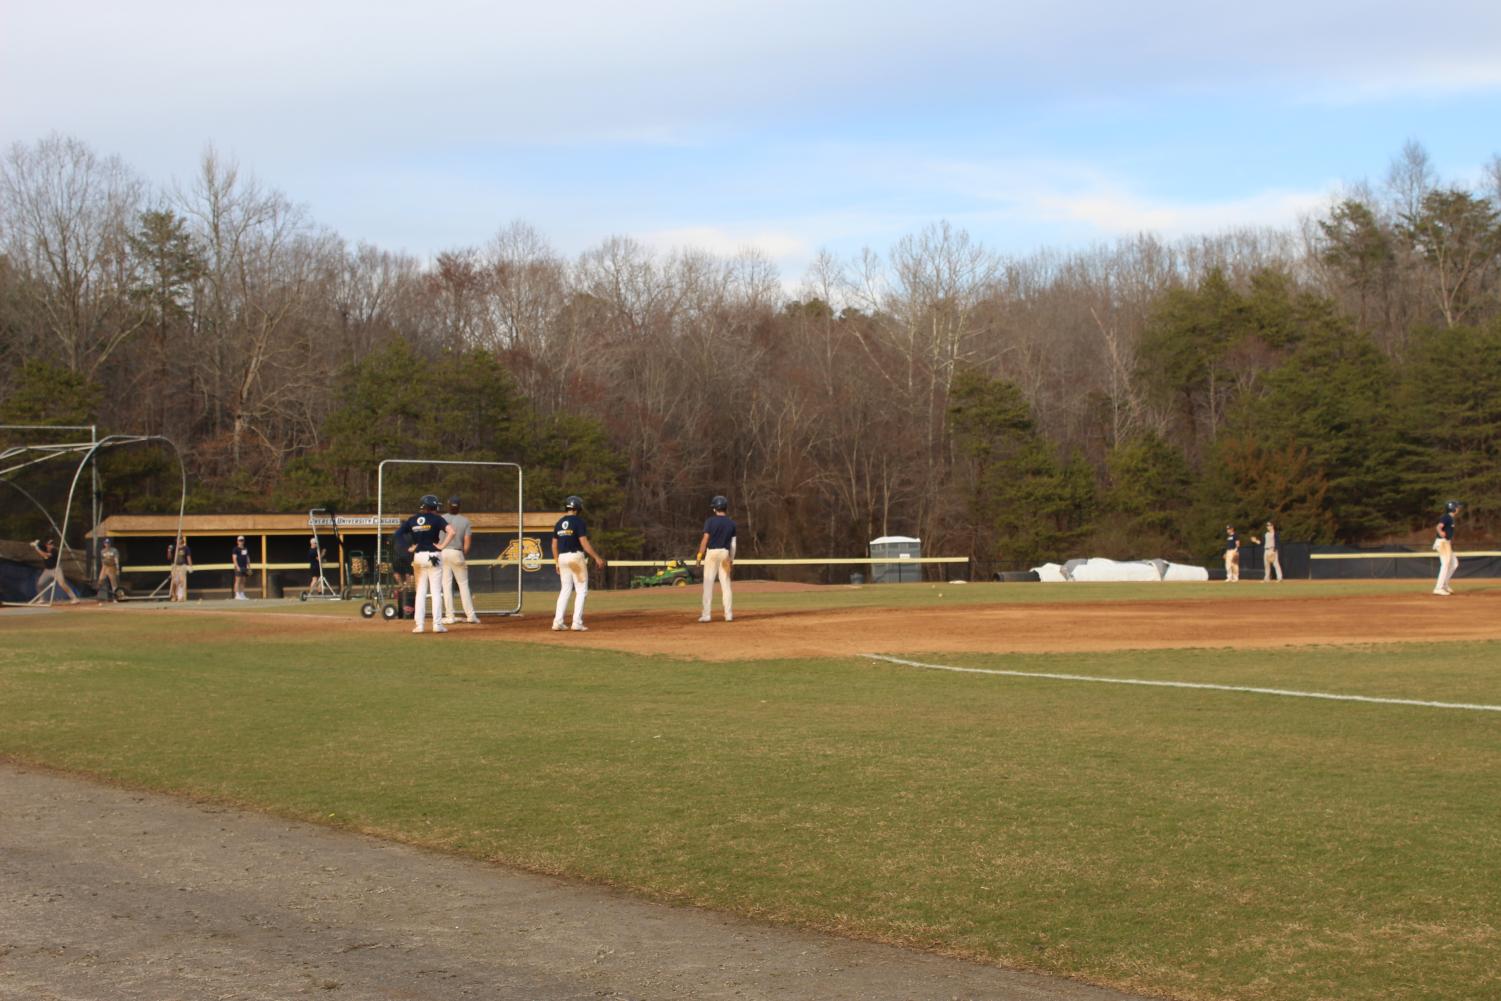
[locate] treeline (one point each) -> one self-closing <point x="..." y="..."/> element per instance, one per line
<point x="1344" y="378"/>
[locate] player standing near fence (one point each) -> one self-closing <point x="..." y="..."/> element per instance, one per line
<point x="1232" y="554"/>
<point x="1270" y="562"/>
<point x="180" y="558"/>
<point x="51" y="572"/>
<point x="716" y="554"/>
<point x="570" y="543"/>
<point x="1448" y="563"/>
<point x="109" y="572"/>
<point x="239" y="558"/>
<point x="429" y="532"/>
<point x="456" y="565"/>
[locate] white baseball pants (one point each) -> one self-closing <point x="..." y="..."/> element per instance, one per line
<point x="1272" y="563"/>
<point x="456" y="568"/>
<point x="1447" y="564"/>
<point x="429" y="584"/>
<point x="715" y="567"/>
<point x="573" y="577"/>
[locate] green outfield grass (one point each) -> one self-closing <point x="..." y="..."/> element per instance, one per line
<point x="1191" y="844"/>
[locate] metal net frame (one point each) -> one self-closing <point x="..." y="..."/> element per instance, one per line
<point x="487" y="564"/>
<point x="19" y="457"/>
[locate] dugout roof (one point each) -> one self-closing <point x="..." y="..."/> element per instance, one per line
<point x="124" y="526"/>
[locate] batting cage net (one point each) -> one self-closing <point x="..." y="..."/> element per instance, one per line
<point x="490" y="497"/>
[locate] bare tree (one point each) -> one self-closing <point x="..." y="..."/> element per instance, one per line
<point x="65" y="213"/>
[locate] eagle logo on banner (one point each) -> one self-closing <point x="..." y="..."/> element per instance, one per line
<point x="530" y="554"/>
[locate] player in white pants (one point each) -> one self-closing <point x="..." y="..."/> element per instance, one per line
<point x="1232" y="554"/>
<point x="570" y="544"/>
<point x="716" y="554"/>
<point x="1448" y="563"/>
<point x="1270" y="561"/>
<point x="456" y="565"/>
<point x="429" y="533"/>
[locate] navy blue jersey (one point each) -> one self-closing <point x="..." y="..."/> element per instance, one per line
<point x="241" y="557"/>
<point x="1446" y="527"/>
<point x="425" y="530"/>
<point x="1232" y="543"/>
<point x="721" y="529"/>
<point x="568" y="532"/>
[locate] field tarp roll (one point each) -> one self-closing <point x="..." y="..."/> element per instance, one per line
<point x="1100" y="569"/>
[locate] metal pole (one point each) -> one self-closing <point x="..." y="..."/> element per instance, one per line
<point x="93" y="564"/>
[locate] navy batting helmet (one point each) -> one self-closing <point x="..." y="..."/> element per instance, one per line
<point x="573" y="503"/>
<point x="429" y="502"/>
<point x="720" y="502"/>
<point x="1453" y="505"/>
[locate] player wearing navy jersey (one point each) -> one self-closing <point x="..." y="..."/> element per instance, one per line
<point x="51" y="571"/>
<point x="1443" y="544"/>
<point x="1232" y="554"/>
<point x="429" y="533"/>
<point x="571" y="551"/>
<point x="239" y="558"/>
<point x="716" y="554"/>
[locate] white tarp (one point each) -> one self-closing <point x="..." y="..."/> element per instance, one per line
<point x="1097" y="568"/>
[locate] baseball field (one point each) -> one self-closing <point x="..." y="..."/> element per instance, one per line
<point x="1196" y="791"/>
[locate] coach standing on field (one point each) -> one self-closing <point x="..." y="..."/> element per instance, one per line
<point x="180" y="558"/>
<point x="570" y="543"/>
<point x="456" y="565"/>
<point x="716" y="554"/>
<point x="429" y="533"/>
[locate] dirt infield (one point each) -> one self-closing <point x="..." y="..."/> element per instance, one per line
<point x="1035" y="628"/>
<point x="1212" y="621"/>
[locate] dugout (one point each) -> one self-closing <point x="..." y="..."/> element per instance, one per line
<point x="278" y="545"/>
<point x="899" y="549"/>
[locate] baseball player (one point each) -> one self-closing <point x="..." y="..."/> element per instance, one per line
<point x="239" y="558"/>
<point x="456" y="565"/>
<point x="315" y="565"/>
<point x="716" y="554"/>
<point x="1448" y="563"/>
<point x="429" y="532"/>
<point x="570" y="544"/>
<point x="47" y="549"/>
<point x="109" y="571"/>
<point x="1232" y="554"/>
<point x="180" y="557"/>
<point x="1271" y="562"/>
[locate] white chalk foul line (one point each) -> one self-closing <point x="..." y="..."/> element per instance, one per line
<point x="1285" y="692"/>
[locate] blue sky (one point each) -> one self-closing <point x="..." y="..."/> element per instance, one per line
<point x="785" y="127"/>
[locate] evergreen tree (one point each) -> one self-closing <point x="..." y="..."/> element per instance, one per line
<point x="1025" y="506"/>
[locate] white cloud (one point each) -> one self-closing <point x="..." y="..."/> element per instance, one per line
<point x="728" y="242"/>
<point x="1121" y="213"/>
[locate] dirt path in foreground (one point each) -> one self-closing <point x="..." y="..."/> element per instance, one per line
<point x="110" y="894"/>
